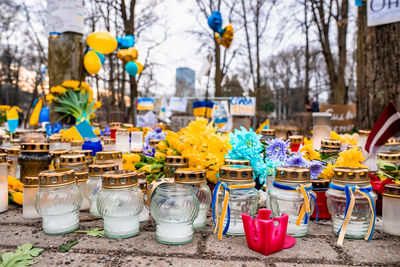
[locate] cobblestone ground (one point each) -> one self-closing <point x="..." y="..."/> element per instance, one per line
<point x="317" y="249"/>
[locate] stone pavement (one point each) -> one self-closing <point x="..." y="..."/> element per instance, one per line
<point x="317" y="249"/>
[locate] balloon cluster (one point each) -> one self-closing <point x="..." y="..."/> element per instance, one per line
<point x="129" y="54"/>
<point x="224" y="36"/>
<point x="104" y="43"/>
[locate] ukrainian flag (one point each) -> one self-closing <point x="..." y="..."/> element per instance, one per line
<point x="12" y="119"/>
<point x="202" y="108"/>
<point x="80" y="131"/>
<point x="221" y="121"/>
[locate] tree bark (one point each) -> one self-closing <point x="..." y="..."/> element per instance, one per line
<point x="218" y="71"/>
<point x="378" y="68"/>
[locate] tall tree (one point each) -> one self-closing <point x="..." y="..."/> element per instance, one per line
<point x="324" y="11"/>
<point x="378" y="68"/>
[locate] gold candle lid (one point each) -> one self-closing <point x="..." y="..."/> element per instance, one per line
<point x="153" y="142"/>
<point x="31" y="181"/>
<point x="292" y="174"/>
<point x="243" y="162"/>
<point x="122" y="131"/>
<point x="100" y="169"/>
<point x="353" y="146"/>
<point x="58" y="152"/>
<point x="329" y="143"/>
<point x="127" y="125"/>
<point x="268" y="132"/>
<point x="108" y="155"/>
<point x="96" y="124"/>
<point x="5" y="137"/>
<point x="236" y="173"/>
<point x="76" y="142"/>
<point x="11" y="151"/>
<point x="81" y="176"/>
<point x="10" y="164"/>
<point x="296" y="139"/>
<point x="364" y="132"/>
<point x="15" y="142"/>
<point x="190" y="176"/>
<point x="55" y="138"/>
<point x="389" y="157"/>
<point x="392" y="142"/>
<point x="72" y="159"/>
<point x="87" y="153"/>
<point x="115" y="125"/>
<point x="57" y="177"/>
<point x="392" y="190"/>
<point x="137" y="150"/>
<point x="151" y="188"/>
<point x="34" y="147"/>
<point x="66" y="139"/>
<point x="177" y="161"/>
<point x="3" y="157"/>
<point x="141" y="177"/>
<point x="320" y="183"/>
<point x="109" y="141"/>
<point x="350" y="175"/>
<point x="119" y="179"/>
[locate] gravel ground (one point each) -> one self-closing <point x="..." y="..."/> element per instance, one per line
<point x="317" y="249"/>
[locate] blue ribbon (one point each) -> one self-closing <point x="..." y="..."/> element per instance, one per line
<point x="216" y="189"/>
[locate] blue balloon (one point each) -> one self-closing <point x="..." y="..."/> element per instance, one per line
<point x="49" y="129"/>
<point x="215" y="21"/>
<point x="131" y="68"/>
<point x="57" y="127"/>
<point x="125" y="42"/>
<point x="101" y="56"/>
<point x="44" y="115"/>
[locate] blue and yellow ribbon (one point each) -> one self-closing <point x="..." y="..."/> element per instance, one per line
<point x="304" y="191"/>
<point x="219" y="220"/>
<point x="350" y="201"/>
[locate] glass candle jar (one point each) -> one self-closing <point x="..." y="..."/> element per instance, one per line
<point x="58" y="201"/>
<point x="197" y="179"/>
<point x="391" y="209"/>
<point x="33" y="159"/>
<point x="392" y="158"/>
<point x="288" y="197"/>
<point x="142" y="181"/>
<point x="361" y="217"/>
<point x="331" y="148"/>
<point x="120" y="202"/>
<point x="88" y="156"/>
<point x="109" y="144"/>
<point x="122" y="141"/>
<point x="32" y="137"/>
<point x="107" y="157"/>
<point x="76" y="144"/>
<point x="13" y="154"/>
<point x="75" y="162"/>
<point x="240" y="201"/>
<point x="6" y="142"/>
<point x="174" y="207"/>
<point x="93" y="184"/>
<point x="3" y="182"/>
<point x="392" y="145"/>
<point x="321" y="128"/>
<point x="15" y="142"/>
<point x="56" y="142"/>
<point x="56" y="154"/>
<point x="31" y="187"/>
<point x="295" y="142"/>
<point x="136" y="140"/>
<point x="81" y="178"/>
<point x="172" y="163"/>
<point x="267" y="134"/>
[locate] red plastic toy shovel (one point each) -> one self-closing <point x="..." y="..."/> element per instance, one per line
<point x="264" y="236"/>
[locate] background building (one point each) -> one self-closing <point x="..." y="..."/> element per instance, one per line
<point x="185" y="80"/>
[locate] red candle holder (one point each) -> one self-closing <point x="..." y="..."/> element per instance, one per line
<point x="377" y="187"/>
<point x="264" y="236"/>
<point x="112" y="132"/>
<point x="320" y="187"/>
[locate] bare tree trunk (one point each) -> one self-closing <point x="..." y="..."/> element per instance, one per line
<point x="218" y="70"/>
<point x="307" y="55"/>
<point x="378" y="69"/>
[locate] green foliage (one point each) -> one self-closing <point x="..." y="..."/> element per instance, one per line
<point x="95" y="232"/>
<point x="23" y="256"/>
<point x="66" y="247"/>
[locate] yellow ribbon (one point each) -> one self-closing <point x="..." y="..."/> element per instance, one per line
<point x="219" y="222"/>
<point x="306" y="205"/>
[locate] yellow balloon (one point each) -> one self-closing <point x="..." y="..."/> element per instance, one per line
<point x="102" y="42"/>
<point x="92" y="62"/>
<point x="34" y="119"/>
<point x="139" y="66"/>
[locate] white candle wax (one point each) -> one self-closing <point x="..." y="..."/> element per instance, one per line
<point x="85" y="202"/>
<point x="121" y="227"/>
<point x="122" y="143"/>
<point x="174" y="233"/>
<point x="200" y="221"/>
<point x="144" y="215"/>
<point x="136" y="140"/>
<point x="94" y="212"/>
<point x="60" y="224"/>
<point x="28" y="208"/>
<point x="3" y="187"/>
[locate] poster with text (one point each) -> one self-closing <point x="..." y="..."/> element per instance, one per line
<point x="243" y="106"/>
<point x="383" y="12"/>
<point x="145" y="103"/>
<point x="343" y="116"/>
<point x="65" y="16"/>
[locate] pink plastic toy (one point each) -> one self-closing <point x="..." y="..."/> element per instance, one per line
<point x="264" y="236"/>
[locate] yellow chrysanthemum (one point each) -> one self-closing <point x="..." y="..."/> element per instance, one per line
<point x="4" y="107"/>
<point x="327" y="173"/>
<point x="309" y="153"/>
<point x="308" y="141"/>
<point x="58" y="90"/>
<point x="14" y="184"/>
<point x="98" y="105"/>
<point x="345" y="138"/>
<point x="71" y="84"/>
<point x="18" y="197"/>
<point x="162" y="146"/>
<point x="159" y="155"/>
<point x="49" y="98"/>
<point x="131" y="157"/>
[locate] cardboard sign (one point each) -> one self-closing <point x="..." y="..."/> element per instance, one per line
<point x="243" y="106"/>
<point x="343" y="116"/>
<point x="65" y="16"/>
<point x="383" y="12"/>
<point x="179" y="122"/>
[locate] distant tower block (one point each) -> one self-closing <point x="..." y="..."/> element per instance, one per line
<point x="185" y="78"/>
